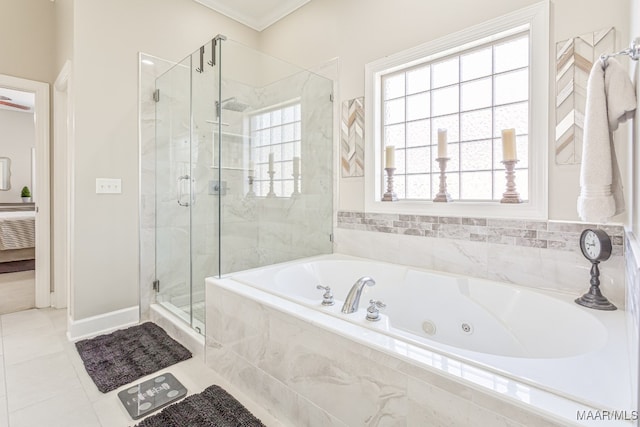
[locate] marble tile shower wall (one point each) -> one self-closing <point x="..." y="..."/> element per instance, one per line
<point x="259" y="231"/>
<point x="538" y="254"/>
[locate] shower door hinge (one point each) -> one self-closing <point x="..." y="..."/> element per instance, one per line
<point x="331" y="97"/>
<point x="214" y="43"/>
<point x="156" y="285"/>
<point x="156" y="95"/>
<point x="331" y="237"/>
<point x="200" y="69"/>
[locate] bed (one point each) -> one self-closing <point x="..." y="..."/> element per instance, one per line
<point x="17" y="235"/>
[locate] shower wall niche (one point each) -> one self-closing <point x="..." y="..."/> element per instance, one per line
<point x="237" y="169"/>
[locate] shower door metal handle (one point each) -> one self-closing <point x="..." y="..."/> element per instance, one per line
<point x="179" y="196"/>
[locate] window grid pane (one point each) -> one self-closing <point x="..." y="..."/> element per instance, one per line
<point x="474" y="95"/>
<point x="276" y="132"/>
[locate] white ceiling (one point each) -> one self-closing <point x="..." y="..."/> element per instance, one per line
<point x="257" y="14"/>
<point x="27" y="99"/>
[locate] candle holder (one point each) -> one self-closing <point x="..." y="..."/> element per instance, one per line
<point x="511" y="195"/>
<point x="296" y="182"/>
<point x="271" y="193"/>
<point x="251" y="193"/>
<point x="443" y="196"/>
<point x="390" y="195"/>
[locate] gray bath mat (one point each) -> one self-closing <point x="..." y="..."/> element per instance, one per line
<point x="213" y="407"/>
<point x="116" y="359"/>
<point x="151" y="395"/>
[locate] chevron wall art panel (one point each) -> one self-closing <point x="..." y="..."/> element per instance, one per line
<point x="352" y="138"/>
<point x="574" y="59"/>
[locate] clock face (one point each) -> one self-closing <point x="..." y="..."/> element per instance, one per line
<point x="592" y="247"/>
<point x="595" y="245"/>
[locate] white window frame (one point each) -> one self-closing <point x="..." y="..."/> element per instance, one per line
<point x="536" y="17"/>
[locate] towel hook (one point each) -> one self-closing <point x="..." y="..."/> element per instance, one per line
<point x="633" y="51"/>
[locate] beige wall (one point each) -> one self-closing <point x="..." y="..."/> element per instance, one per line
<point x="17" y="138"/>
<point x="108" y="36"/>
<point x="63" y="16"/>
<point x="27" y="39"/>
<point x="360" y="31"/>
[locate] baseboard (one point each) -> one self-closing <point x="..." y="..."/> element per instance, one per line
<point x="103" y="323"/>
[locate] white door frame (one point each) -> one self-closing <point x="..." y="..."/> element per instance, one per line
<point x="41" y="197"/>
<point x="62" y="196"/>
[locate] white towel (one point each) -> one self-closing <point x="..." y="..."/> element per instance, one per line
<point x="611" y="99"/>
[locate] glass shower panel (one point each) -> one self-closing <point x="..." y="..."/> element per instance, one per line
<point x="173" y="182"/>
<point x="276" y="160"/>
<point x="204" y="167"/>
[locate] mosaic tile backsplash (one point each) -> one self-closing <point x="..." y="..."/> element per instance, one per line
<point x="538" y="234"/>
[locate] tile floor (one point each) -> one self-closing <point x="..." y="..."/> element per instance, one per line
<point x="43" y="381"/>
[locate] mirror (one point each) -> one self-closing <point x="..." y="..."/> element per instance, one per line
<point x="5" y="174"/>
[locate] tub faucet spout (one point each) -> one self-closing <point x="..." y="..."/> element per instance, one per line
<point x="353" y="298"/>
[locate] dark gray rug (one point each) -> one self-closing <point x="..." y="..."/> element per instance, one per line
<point x="213" y="407"/>
<point x="116" y="359"/>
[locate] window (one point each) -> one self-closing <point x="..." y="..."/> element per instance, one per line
<point x="473" y="95"/>
<point x="474" y="84"/>
<point x="275" y="142"/>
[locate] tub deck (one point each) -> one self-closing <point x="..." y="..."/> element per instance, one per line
<point x="589" y="373"/>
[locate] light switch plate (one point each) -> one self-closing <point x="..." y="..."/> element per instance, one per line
<point x="108" y="186"/>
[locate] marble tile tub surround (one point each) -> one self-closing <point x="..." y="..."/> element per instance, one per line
<point x="307" y="375"/>
<point x="532" y="253"/>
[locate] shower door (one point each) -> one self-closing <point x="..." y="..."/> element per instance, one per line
<point x="186" y="175"/>
<point x="173" y="190"/>
<point x="244" y="169"/>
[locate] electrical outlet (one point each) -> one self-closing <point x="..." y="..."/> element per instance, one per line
<point x="108" y="186"/>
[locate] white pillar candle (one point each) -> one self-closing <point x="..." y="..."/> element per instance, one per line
<point x="252" y="170"/>
<point x="296" y="165"/>
<point x="509" y="145"/>
<point x="390" y="156"/>
<point x="271" y="162"/>
<point x="442" y="143"/>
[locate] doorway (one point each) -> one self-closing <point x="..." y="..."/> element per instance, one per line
<point x="39" y="183"/>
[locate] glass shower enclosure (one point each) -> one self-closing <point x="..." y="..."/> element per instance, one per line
<point x="244" y="169"/>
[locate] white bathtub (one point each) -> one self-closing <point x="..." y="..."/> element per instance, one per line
<point x="535" y="348"/>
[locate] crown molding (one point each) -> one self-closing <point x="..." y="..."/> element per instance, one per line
<point x="258" y="18"/>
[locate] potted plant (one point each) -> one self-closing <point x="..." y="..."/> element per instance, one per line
<point x="25" y="194"/>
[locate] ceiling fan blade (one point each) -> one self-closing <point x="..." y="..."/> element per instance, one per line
<point x="11" y="104"/>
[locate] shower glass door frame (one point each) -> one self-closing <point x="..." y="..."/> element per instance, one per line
<point x="217" y="209"/>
